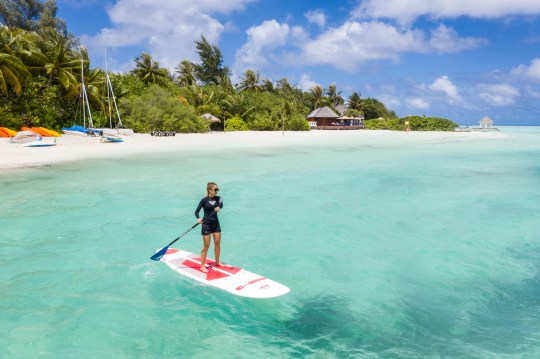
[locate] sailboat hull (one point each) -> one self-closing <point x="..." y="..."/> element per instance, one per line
<point x="125" y="131"/>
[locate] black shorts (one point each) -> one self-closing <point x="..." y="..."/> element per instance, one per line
<point x="208" y="228"/>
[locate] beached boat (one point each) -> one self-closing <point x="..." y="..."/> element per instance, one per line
<point x="43" y="132"/>
<point x="40" y="143"/>
<point x="25" y="136"/>
<point x="111" y="139"/>
<point x="111" y="100"/>
<point x="7" y="133"/>
<point x="79" y="130"/>
<point x="75" y="130"/>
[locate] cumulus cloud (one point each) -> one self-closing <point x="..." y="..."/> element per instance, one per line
<point x="305" y="82"/>
<point x="445" y="40"/>
<point x="498" y="94"/>
<point x="531" y="71"/>
<point x="167" y="29"/>
<point x="317" y="17"/>
<point x="417" y="103"/>
<point x="444" y="85"/>
<point x="261" y="41"/>
<point x="353" y="43"/>
<point x="406" y="11"/>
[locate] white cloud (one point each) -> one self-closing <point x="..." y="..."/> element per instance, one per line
<point x="305" y="83"/>
<point x="532" y="71"/>
<point x="417" y="103"/>
<point x="317" y="17"/>
<point x="261" y="41"/>
<point x="391" y="102"/>
<point x="406" y="11"/>
<point x="532" y="92"/>
<point x="298" y="35"/>
<point x="445" y="40"/>
<point x="498" y="95"/>
<point x="444" y="85"/>
<point x="167" y="29"/>
<point x="353" y="43"/>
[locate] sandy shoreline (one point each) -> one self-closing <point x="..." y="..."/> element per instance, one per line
<point x="75" y="148"/>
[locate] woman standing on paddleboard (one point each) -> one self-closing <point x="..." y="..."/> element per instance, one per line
<point x="211" y="204"/>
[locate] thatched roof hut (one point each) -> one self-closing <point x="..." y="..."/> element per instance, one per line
<point x="322" y="112"/>
<point x="323" y="116"/>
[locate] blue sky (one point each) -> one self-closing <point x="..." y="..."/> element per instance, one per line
<point x="458" y="59"/>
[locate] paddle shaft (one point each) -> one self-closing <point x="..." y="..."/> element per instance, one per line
<point x="186" y="232"/>
<point x="183" y="234"/>
<point x="157" y="256"/>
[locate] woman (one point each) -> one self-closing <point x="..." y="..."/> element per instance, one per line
<point x="211" y="204"/>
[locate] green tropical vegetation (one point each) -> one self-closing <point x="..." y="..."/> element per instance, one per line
<point x="415" y="123"/>
<point x="43" y="69"/>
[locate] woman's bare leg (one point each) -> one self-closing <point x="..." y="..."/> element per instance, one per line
<point x="217" y="246"/>
<point x="204" y="251"/>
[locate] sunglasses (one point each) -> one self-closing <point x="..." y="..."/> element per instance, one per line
<point x="214" y="189"/>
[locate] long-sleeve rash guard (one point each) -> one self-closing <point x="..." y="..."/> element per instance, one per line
<point x="208" y="204"/>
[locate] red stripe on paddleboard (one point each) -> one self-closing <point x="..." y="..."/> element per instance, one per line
<point x="171" y="251"/>
<point x="240" y="287"/>
<point x="212" y="274"/>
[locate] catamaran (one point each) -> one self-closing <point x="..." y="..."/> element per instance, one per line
<point x="79" y="130"/>
<point x="111" y="134"/>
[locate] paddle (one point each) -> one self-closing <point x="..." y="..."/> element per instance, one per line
<point x="162" y="251"/>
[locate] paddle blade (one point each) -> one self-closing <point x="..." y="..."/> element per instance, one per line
<point x="159" y="254"/>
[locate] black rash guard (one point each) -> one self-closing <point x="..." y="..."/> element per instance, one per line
<point x="208" y="204"/>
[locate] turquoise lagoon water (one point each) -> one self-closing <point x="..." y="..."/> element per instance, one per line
<point x="392" y="249"/>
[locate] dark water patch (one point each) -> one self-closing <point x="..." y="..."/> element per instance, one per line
<point x="326" y="324"/>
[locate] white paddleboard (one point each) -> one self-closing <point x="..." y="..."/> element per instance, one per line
<point x="231" y="279"/>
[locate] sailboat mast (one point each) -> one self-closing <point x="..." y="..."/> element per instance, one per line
<point x="85" y="97"/>
<point x="110" y="90"/>
<point x="82" y="93"/>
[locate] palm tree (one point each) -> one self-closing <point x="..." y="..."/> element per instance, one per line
<point x="289" y="107"/>
<point x="148" y="70"/>
<point x="224" y="82"/>
<point x="93" y="80"/>
<point x="236" y="105"/>
<point x="197" y="96"/>
<point x="12" y="69"/>
<point x="58" y="60"/>
<point x="355" y="101"/>
<point x="334" y="96"/>
<point x="317" y="98"/>
<point x="284" y="84"/>
<point x="250" y="82"/>
<point x="267" y="85"/>
<point x="186" y="73"/>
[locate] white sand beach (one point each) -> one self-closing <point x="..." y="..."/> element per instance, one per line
<point x="76" y="148"/>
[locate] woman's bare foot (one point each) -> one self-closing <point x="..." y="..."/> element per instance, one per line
<point x="203" y="269"/>
<point x="217" y="264"/>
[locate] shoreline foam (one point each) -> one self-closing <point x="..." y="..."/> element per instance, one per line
<point x="75" y="148"/>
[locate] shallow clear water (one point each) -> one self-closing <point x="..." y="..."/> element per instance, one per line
<point x="393" y="249"/>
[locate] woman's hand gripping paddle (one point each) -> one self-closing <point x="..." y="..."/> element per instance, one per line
<point x="159" y="254"/>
